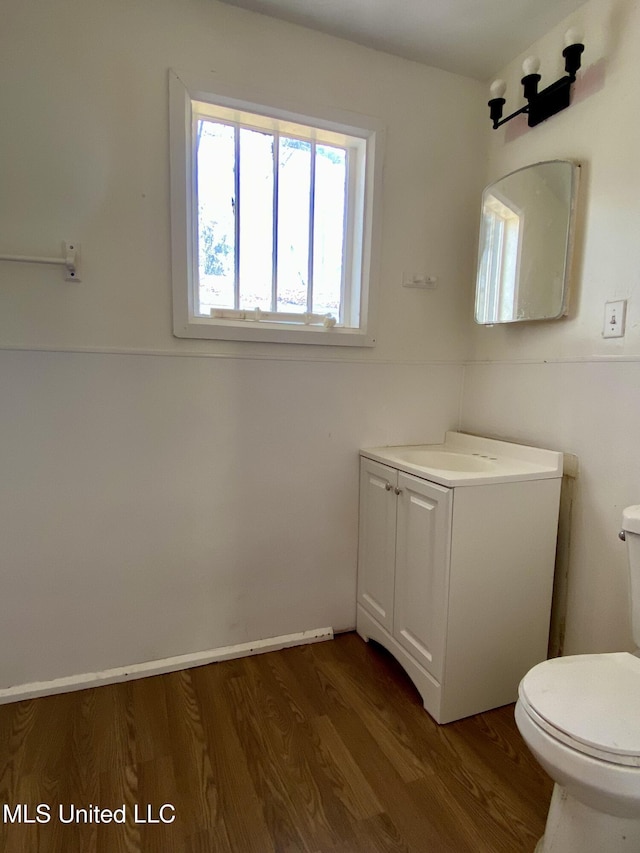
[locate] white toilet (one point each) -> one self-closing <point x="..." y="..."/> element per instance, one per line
<point x="580" y="717"/>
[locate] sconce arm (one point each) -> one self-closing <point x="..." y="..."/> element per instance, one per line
<point x="498" y="123"/>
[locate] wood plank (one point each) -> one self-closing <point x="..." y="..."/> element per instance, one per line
<point x="239" y="803"/>
<point x="283" y="778"/>
<point x="349" y="783"/>
<point x="197" y="796"/>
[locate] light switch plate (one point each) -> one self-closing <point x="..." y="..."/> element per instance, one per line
<point x="614" y="317"/>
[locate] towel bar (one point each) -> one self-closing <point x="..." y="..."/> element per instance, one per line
<point x="70" y="260"/>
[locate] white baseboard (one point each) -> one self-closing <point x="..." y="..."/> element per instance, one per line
<point x="157" y="667"/>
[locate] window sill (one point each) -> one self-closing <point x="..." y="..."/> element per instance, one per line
<point x="286" y="333"/>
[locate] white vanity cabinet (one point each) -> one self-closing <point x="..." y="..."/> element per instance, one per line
<point x="456" y="580"/>
<point x="403" y="561"/>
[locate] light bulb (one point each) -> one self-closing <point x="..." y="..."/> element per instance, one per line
<point x="498" y="88"/>
<point x="531" y="65"/>
<point x="572" y="36"/>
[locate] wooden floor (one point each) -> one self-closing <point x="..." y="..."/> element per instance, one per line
<point x="317" y="748"/>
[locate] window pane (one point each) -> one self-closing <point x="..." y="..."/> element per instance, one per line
<point x="256" y="219"/>
<point x="328" y="232"/>
<point x="217" y="211"/>
<point x="294" y="186"/>
<point x="216" y="225"/>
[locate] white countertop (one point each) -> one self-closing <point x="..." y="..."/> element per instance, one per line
<point x="466" y="460"/>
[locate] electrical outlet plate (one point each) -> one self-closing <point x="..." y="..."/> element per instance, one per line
<point x="614" y="317"/>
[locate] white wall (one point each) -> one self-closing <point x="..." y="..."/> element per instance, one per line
<point x="560" y="384"/>
<point x="161" y="496"/>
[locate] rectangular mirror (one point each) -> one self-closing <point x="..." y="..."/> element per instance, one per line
<point x="526" y="242"/>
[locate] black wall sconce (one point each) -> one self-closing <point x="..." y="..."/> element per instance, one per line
<point x="548" y="102"/>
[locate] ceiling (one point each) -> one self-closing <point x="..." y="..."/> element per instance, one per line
<point x="472" y="37"/>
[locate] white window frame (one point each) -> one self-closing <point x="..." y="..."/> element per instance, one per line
<point x="187" y="95"/>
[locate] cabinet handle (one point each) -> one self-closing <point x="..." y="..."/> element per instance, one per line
<point x="388" y="487"/>
<point x="397" y="491"/>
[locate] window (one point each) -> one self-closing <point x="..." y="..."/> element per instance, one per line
<point x="273" y="219"/>
<point x="500" y="261"/>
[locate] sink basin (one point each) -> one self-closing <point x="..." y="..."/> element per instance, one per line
<point x="470" y="460"/>
<point x="445" y="460"/>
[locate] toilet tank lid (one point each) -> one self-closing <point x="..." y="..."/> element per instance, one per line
<point x="631" y="519"/>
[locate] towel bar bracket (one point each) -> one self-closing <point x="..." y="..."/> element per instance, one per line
<point x="71" y="251"/>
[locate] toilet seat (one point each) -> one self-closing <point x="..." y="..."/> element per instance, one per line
<point x="591" y="703"/>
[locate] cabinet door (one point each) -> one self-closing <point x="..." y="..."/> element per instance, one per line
<point x="422" y="570"/>
<point x="377" y="540"/>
